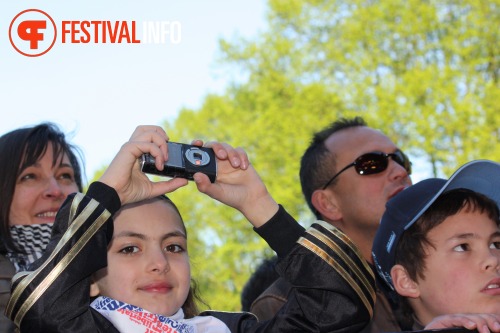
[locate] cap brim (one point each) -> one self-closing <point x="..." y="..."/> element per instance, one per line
<point x="481" y="176"/>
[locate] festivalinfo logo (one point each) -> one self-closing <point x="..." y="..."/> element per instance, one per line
<point x="33" y="32"/>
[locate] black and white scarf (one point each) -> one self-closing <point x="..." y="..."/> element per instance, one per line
<point x="31" y="240"/>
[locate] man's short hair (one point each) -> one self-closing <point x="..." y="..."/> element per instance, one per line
<point x="318" y="163"/>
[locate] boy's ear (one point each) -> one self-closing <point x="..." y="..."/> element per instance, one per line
<point x="94" y="289"/>
<point x="326" y="204"/>
<point x="403" y="283"/>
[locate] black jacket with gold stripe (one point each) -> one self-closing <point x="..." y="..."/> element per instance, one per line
<point x="333" y="288"/>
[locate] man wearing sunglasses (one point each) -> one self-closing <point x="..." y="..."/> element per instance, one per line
<point x="347" y="175"/>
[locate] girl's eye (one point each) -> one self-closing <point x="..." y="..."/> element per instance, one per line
<point x="461" y="248"/>
<point x="129" y="250"/>
<point x="495" y="245"/>
<point x="174" y="248"/>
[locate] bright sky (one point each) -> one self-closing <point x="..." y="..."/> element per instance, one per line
<point x="99" y="93"/>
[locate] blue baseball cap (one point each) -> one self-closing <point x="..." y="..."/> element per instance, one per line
<point x="481" y="176"/>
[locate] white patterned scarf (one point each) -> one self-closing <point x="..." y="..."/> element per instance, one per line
<point x="31" y="240"/>
<point x="132" y="319"/>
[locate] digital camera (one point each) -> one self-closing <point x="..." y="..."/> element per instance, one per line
<point x="183" y="161"/>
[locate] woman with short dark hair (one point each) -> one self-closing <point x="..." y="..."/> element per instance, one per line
<point x="39" y="168"/>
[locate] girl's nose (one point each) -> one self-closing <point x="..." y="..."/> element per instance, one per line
<point x="159" y="262"/>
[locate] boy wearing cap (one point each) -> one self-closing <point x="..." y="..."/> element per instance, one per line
<point x="438" y="246"/>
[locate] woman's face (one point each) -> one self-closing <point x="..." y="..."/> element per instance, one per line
<point x="41" y="189"/>
<point x="148" y="263"/>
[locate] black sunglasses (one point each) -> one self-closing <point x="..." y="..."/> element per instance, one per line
<point x="375" y="162"/>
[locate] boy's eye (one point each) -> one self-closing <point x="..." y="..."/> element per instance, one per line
<point x="461" y="248"/>
<point x="495" y="245"/>
<point x="174" y="248"/>
<point x="129" y="250"/>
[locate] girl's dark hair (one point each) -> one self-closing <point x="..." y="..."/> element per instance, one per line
<point x="22" y="148"/>
<point x="410" y="251"/>
<point x="190" y="306"/>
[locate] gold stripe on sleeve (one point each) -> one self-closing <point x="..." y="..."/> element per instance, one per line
<point x="340" y="270"/>
<point x="59" y="268"/>
<point x="345" y="258"/>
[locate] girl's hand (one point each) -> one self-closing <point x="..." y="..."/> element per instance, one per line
<point x="124" y="174"/>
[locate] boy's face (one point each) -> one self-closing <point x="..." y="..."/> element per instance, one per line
<point x="148" y="264"/>
<point x="462" y="271"/>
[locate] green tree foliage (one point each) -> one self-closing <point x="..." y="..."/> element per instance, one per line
<point x="425" y="72"/>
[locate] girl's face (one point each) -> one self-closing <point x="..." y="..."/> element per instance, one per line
<point x="148" y="263"/>
<point x="462" y="272"/>
<point x="41" y="190"/>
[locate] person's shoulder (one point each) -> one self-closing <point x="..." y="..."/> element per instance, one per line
<point x="271" y="300"/>
<point x="278" y="289"/>
<point x="7" y="269"/>
<point x="233" y="320"/>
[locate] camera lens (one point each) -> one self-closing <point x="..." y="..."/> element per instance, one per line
<point x="197" y="156"/>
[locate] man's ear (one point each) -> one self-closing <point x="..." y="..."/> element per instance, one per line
<point x="94" y="289"/>
<point x="403" y="283"/>
<point x="326" y="204"/>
